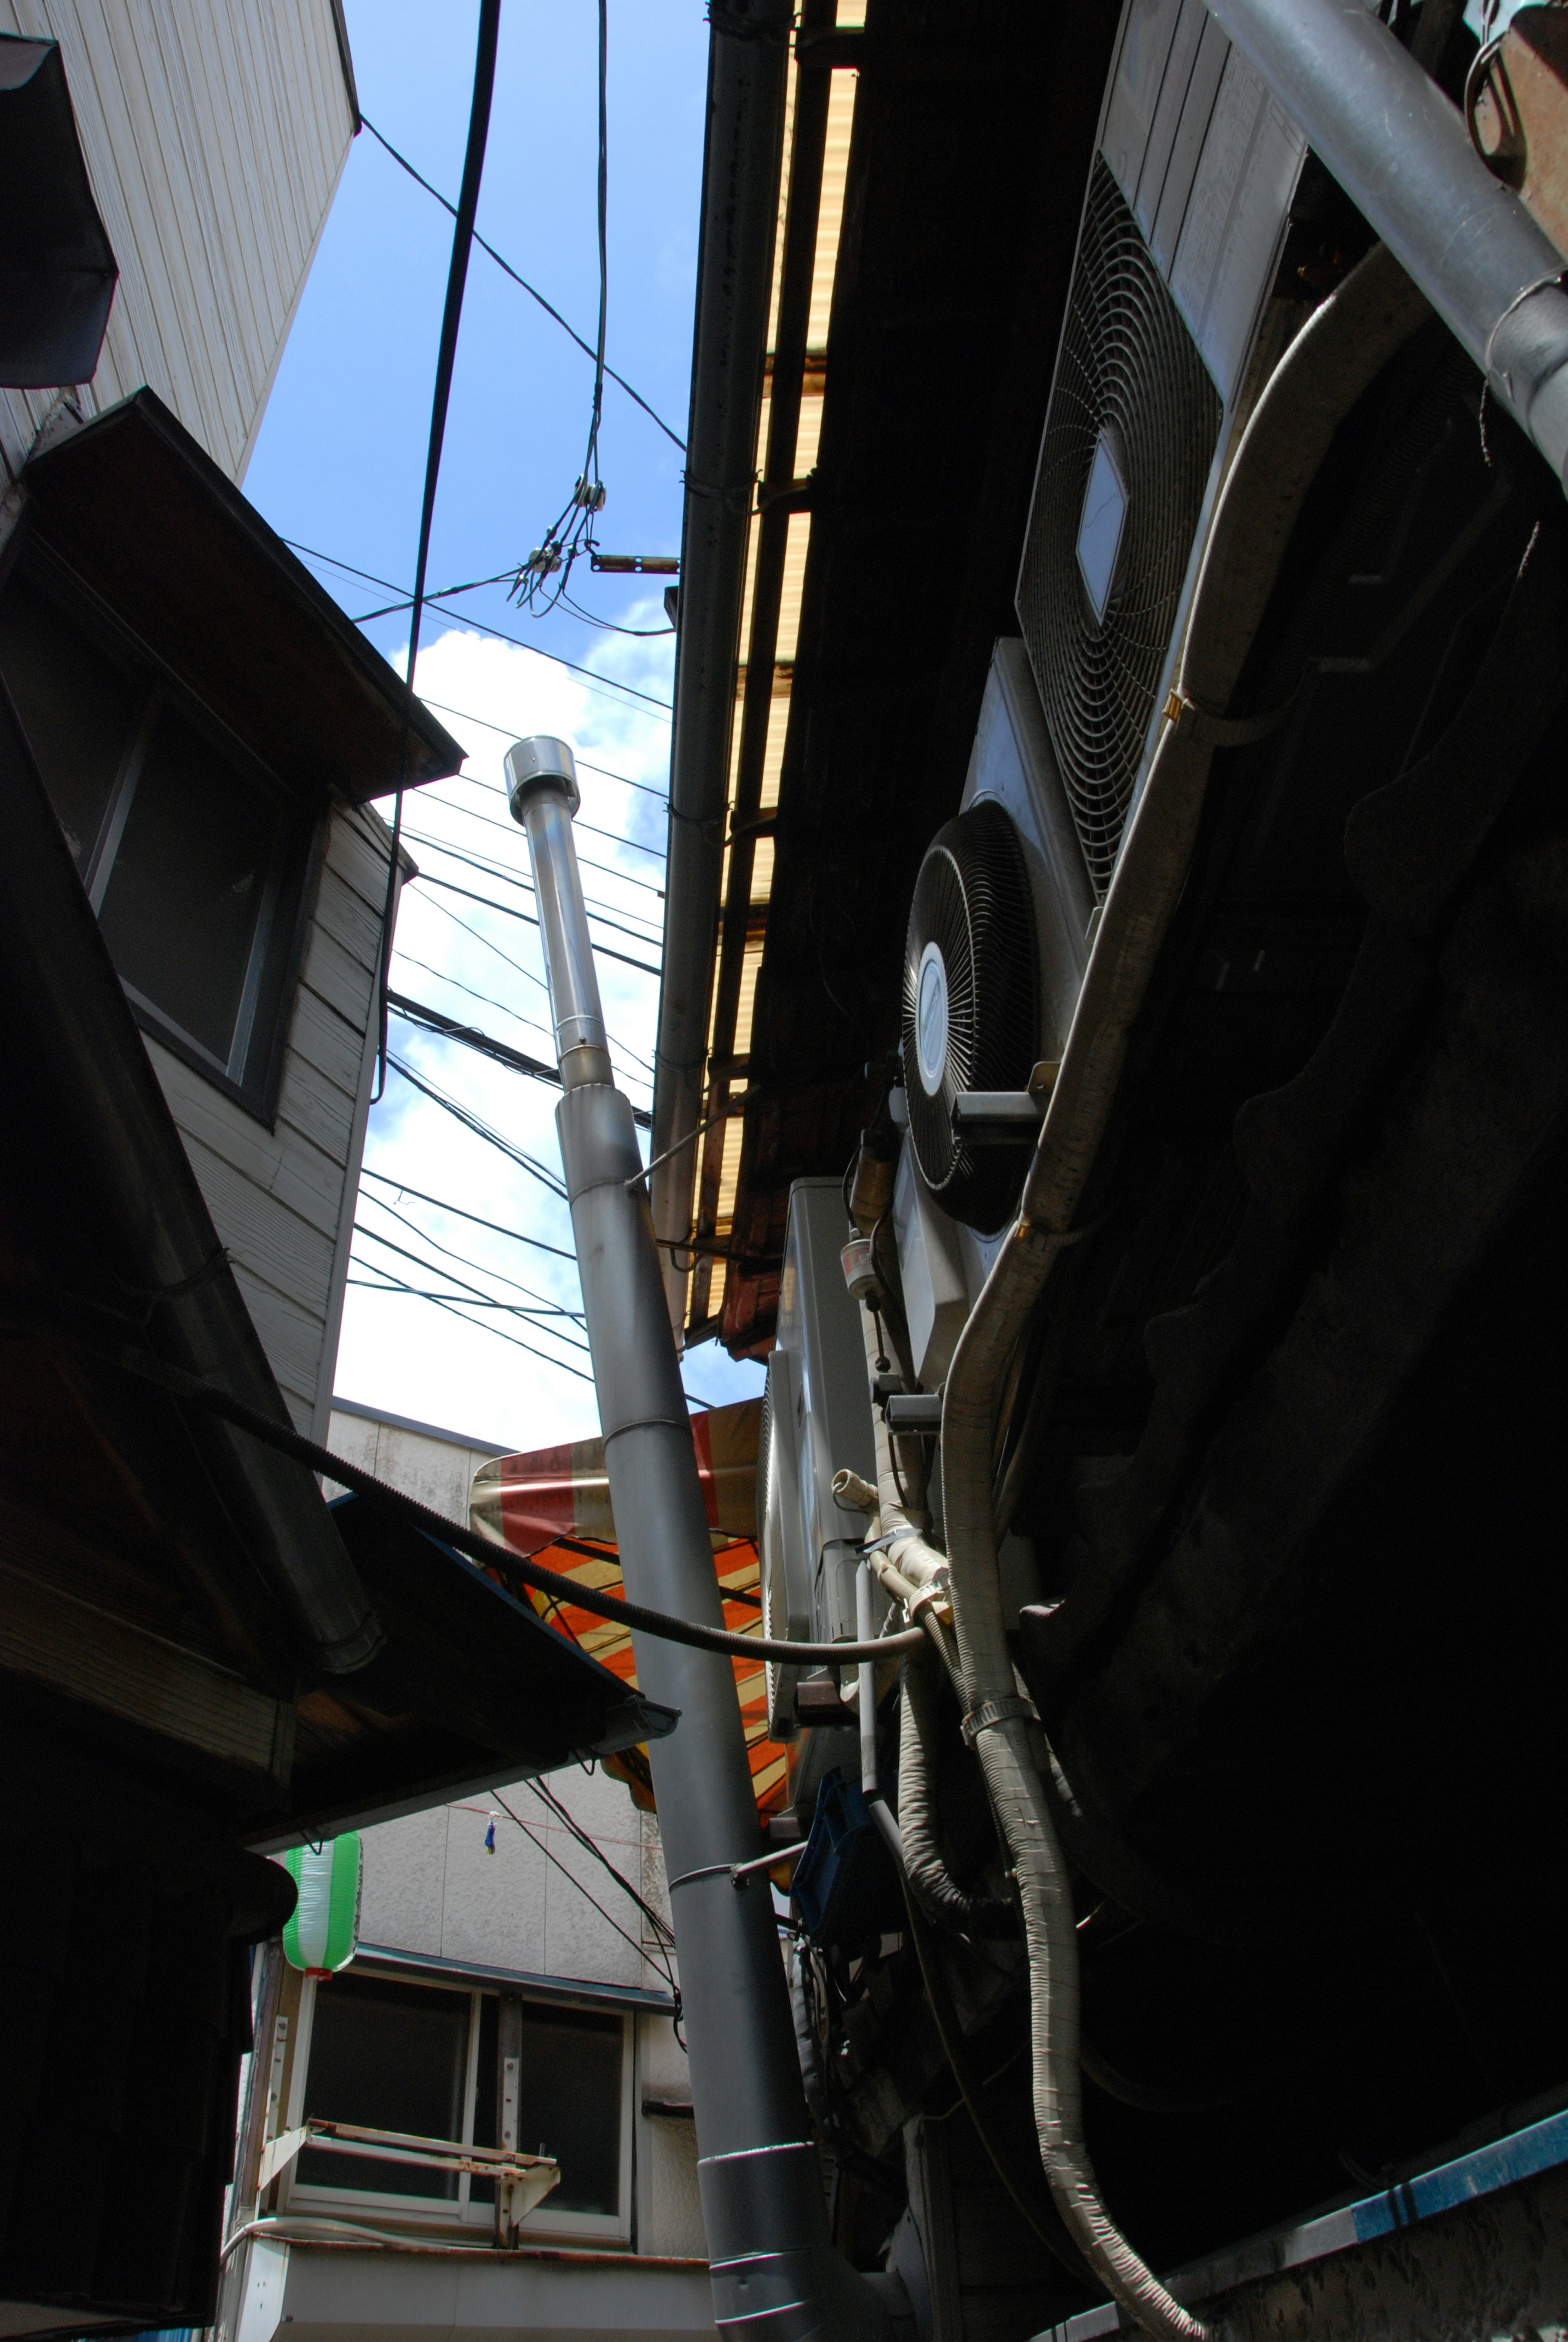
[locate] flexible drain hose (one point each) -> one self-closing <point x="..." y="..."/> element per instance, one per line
<point x="932" y="1884"/>
<point x="1332" y="361"/>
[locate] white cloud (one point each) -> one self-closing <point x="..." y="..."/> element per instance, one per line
<point x="412" y="1356"/>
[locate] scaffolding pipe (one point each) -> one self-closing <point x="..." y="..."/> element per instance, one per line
<point x="775" y="2274"/>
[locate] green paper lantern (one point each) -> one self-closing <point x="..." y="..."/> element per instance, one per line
<point x="324" y="1932"/>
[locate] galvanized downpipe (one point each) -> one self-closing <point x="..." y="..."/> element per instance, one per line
<point x="1401" y="153"/>
<point x="1336" y="355"/>
<point x="747" y="72"/>
<point x="775" y="2274"/>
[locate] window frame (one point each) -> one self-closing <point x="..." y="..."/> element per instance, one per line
<point x="253" y="1076"/>
<point x="378" y="2209"/>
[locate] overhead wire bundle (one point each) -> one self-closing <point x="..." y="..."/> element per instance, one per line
<point x="541" y="582"/>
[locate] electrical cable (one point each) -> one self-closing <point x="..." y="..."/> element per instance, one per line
<point x="446" y="355"/>
<point x="553" y="1803"/>
<point x="661" y="1965"/>
<point x="537" y="1243"/>
<point x="509" y="829"/>
<point x="602" y="951"/>
<point x="469" y="1037"/>
<point x="490" y="1001"/>
<point x="480" y="1267"/>
<point x="472" y="1122"/>
<point x="181" y="1384"/>
<point x="504" y="732"/>
<point x="571" y="534"/>
<point x="590" y="674"/>
<point x="533" y="291"/>
<point x="516" y="966"/>
<point x="395" y="1284"/>
<point x="537" y="1308"/>
<point x="489" y="867"/>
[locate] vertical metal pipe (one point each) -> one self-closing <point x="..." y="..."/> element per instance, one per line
<point x="775" y="2274"/>
<point x="1401" y="152"/>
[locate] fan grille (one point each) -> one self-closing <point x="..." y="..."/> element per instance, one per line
<point x="972" y="900"/>
<point x="1129" y="373"/>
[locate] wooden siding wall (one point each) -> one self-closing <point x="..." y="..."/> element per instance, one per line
<point x="215" y="132"/>
<point x="282" y="1199"/>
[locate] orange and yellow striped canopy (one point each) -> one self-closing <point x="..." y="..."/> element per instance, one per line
<point x="552" y="1502"/>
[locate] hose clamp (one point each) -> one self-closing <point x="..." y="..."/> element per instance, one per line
<point x="997" y="1711"/>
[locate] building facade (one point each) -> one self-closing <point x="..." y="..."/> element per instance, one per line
<point x="494" y="1923"/>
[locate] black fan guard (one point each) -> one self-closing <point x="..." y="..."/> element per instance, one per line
<point x="972" y="900"/>
<point x="1128" y="370"/>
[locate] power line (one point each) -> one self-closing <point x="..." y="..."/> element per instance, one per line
<point x="438" y="1203"/>
<point x="490" y="866"/>
<point x="568" y="1820"/>
<point x="528" y="1022"/>
<point x="601" y="682"/>
<point x="509" y="829"/>
<point x="603" y="951"/>
<point x="473" y="1292"/>
<point x="533" y="291"/>
<point x="446" y="357"/>
<point x="480" y="1268"/>
<point x="394" y="1286"/>
<point x="472" y="1122"/>
<point x="661" y="1965"/>
<point x="468" y="1037"/>
<point x="505" y="732"/>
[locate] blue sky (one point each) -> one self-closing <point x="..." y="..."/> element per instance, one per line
<point x="338" y="468"/>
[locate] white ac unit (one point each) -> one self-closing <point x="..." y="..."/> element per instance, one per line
<point x="1170" y="332"/>
<point x="818" y="1419"/>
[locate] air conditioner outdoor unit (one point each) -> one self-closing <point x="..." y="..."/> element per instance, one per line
<point x="817" y="1420"/>
<point x="1169" y="331"/>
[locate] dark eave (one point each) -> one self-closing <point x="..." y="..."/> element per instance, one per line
<point x="972" y="141"/>
<point x="150" y="524"/>
<point x="56" y="271"/>
<point x="178" y="1604"/>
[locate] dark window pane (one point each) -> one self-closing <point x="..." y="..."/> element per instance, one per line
<point x="78" y="710"/>
<point x="569" y="2105"/>
<point x="393" y="2057"/>
<point x="188" y="882"/>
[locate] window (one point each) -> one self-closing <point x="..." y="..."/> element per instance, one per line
<point x="423" y="2058"/>
<point x="191" y="854"/>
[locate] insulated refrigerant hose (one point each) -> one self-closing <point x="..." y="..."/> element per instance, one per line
<point x="1336" y="355"/>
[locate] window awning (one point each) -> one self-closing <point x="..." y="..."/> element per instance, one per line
<point x="56" y="271"/>
<point x="146" y="519"/>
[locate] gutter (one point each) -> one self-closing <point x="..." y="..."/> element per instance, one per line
<point x="747" y="70"/>
<point x="1446" y="2187"/>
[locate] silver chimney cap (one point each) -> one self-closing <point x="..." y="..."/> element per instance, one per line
<point x="539" y="763"/>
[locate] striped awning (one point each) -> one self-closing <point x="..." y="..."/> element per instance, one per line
<point x="554" y="1504"/>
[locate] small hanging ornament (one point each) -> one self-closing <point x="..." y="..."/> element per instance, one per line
<point x="323" y="1935"/>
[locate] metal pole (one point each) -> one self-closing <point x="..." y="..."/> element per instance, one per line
<point x="775" y="2274"/>
<point x="1401" y="153"/>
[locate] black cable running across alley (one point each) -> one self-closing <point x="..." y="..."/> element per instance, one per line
<point x="451" y="317"/>
<point x="181" y="1384"/>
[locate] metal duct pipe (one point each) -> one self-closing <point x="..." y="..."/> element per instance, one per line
<point x="775" y="2274"/>
<point x="748" y="61"/>
<point x="1401" y="153"/>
